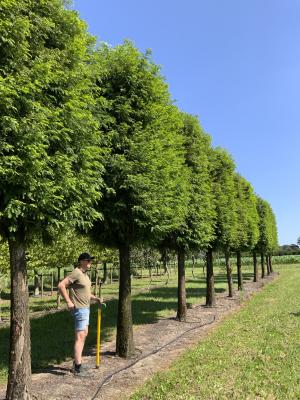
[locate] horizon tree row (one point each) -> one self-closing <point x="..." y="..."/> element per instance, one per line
<point x="90" y="138"/>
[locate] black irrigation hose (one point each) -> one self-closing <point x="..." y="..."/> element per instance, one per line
<point x="109" y="377"/>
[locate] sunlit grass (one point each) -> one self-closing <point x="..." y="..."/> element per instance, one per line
<point x="253" y="355"/>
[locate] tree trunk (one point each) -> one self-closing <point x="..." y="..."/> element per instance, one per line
<point x="268" y="265"/>
<point x="262" y="265"/>
<point x="210" y="283"/>
<point x="19" y="375"/>
<point x="181" y="304"/>
<point x="105" y="272"/>
<point x="229" y="274"/>
<point x="125" y="344"/>
<point x="193" y="265"/>
<point x="52" y="283"/>
<point x="42" y="286"/>
<point x="239" y="270"/>
<point x="271" y="266"/>
<point x="58" y="274"/>
<point x="165" y="262"/>
<point x="36" y="284"/>
<point x="255" y="270"/>
<point x="0" y="305"/>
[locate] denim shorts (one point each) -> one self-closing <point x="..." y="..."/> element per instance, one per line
<point x="81" y="318"/>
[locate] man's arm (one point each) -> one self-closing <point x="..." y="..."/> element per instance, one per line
<point x="62" y="287"/>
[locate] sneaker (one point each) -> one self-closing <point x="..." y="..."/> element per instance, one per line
<point x="76" y="369"/>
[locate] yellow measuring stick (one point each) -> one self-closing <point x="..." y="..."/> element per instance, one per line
<point x="99" y="334"/>
<point x="98" y="337"/>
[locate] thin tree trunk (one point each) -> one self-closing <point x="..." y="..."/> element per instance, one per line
<point x="36" y="284"/>
<point x="262" y="265"/>
<point x="229" y="274"/>
<point x="210" y="282"/>
<point x="193" y="265"/>
<point x="268" y="265"/>
<point x="105" y="272"/>
<point x="239" y="270"/>
<point x="165" y="262"/>
<point x="255" y="270"/>
<point x="181" y="304"/>
<point x="271" y="266"/>
<point x="19" y="375"/>
<point x="52" y="283"/>
<point x="124" y="344"/>
<point x="96" y="280"/>
<point x="0" y="305"/>
<point x="58" y="274"/>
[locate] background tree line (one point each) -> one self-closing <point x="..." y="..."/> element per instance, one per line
<point x="92" y="143"/>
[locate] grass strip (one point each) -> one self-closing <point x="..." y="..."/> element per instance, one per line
<point x="254" y="354"/>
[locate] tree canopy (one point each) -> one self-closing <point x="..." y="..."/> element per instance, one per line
<point x="48" y="143"/>
<point x="145" y="178"/>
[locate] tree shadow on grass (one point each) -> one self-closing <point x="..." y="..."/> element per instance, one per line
<point x="295" y="314"/>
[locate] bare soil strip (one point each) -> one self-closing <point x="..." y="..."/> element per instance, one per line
<point x="157" y="346"/>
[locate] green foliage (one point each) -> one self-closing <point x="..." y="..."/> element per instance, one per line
<point x="63" y="251"/>
<point x="4" y="258"/>
<point x="248" y="232"/>
<point x="49" y="153"/>
<point x="287" y="249"/>
<point x="145" y="179"/>
<point x="224" y="197"/>
<point x="268" y="241"/>
<point x="197" y="230"/>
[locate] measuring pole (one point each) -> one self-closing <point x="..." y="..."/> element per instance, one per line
<point x="99" y="333"/>
<point x="98" y="337"/>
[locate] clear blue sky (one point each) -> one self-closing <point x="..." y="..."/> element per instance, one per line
<point x="234" y="63"/>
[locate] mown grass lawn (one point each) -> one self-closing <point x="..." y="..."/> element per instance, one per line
<point x="254" y="354"/>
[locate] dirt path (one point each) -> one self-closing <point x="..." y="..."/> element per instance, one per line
<point x="157" y="344"/>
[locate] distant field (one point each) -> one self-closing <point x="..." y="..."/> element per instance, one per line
<point x="253" y="355"/>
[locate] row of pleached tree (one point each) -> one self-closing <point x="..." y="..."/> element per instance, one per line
<point x="90" y="138"/>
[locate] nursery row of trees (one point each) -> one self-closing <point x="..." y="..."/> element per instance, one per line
<point x="90" y="138"/>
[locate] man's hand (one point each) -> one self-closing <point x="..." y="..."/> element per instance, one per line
<point x="70" y="305"/>
<point x="97" y="299"/>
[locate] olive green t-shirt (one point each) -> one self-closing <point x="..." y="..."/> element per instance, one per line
<point x="80" y="288"/>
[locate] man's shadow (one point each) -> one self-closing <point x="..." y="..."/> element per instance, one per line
<point x="56" y="370"/>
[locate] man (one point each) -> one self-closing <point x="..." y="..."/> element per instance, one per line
<point x="78" y="302"/>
